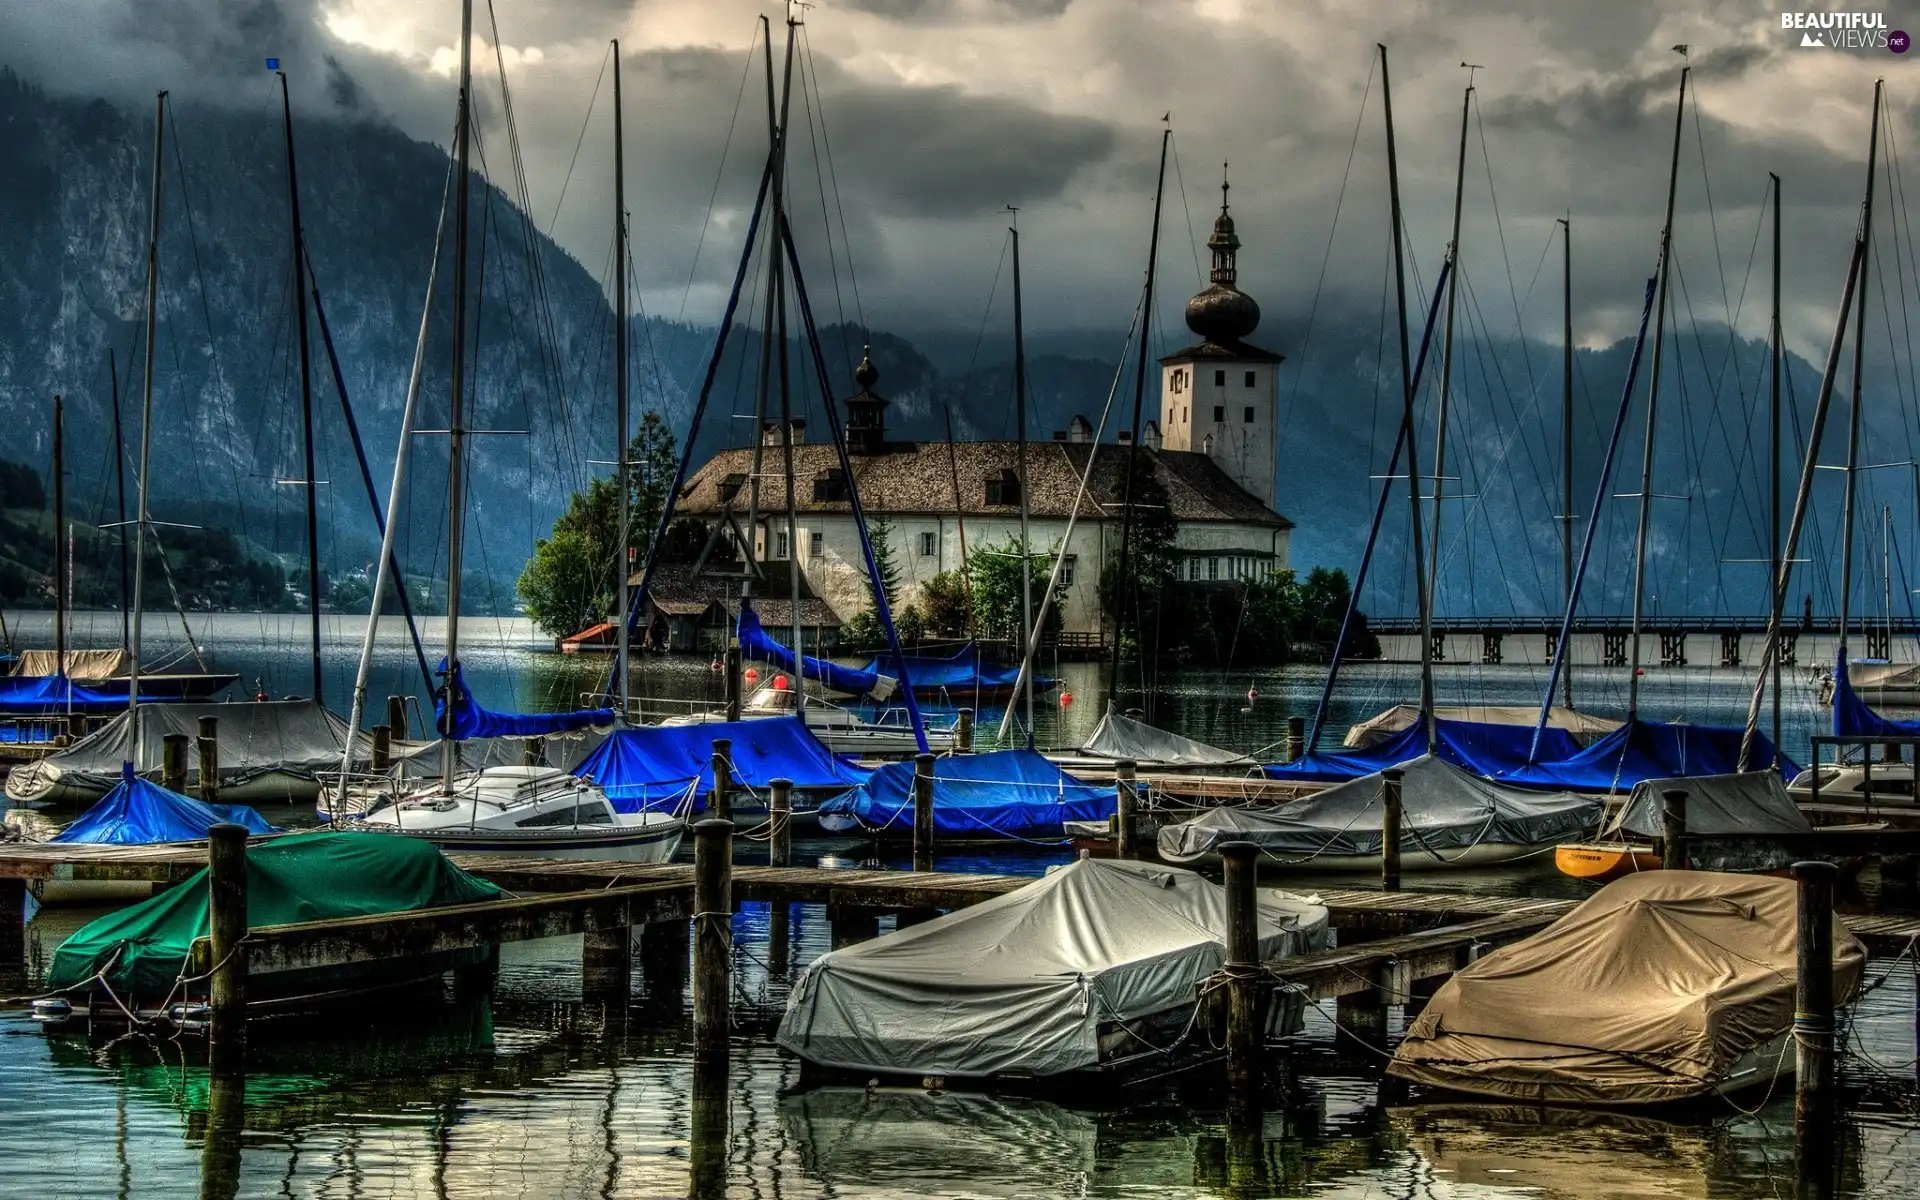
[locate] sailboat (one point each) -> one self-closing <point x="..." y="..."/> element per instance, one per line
<point x="534" y="809"/>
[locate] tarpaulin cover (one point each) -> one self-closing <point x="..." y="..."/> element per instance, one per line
<point x="470" y="720"/>
<point x="1585" y="727"/>
<point x="298" y="737"/>
<point x="962" y="671"/>
<point x="1026" y="981"/>
<point x="52" y="695"/>
<point x="1649" y="991"/>
<point x="1121" y="737"/>
<point x="291" y="879"/>
<point x="1005" y="793"/>
<point x="81" y="664"/>
<point x="1749" y="802"/>
<point x="651" y="766"/>
<point x="1444" y="811"/>
<point x="138" y="813"/>
<point x="1485" y="749"/>
<point x="854" y="681"/>
<point x="1852" y="717"/>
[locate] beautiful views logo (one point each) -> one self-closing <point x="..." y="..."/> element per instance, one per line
<point x="1845" y="31"/>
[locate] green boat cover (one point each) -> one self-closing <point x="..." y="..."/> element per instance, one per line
<point x="290" y="879"/>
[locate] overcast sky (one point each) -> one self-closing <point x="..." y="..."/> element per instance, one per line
<point x="941" y="112"/>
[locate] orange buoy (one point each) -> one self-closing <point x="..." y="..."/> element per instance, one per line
<point x="752" y="676"/>
<point x="1066" y="699"/>
<point x="779" y="683"/>
<point x="715" y="667"/>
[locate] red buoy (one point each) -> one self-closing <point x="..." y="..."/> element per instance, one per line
<point x="752" y="676"/>
<point x="779" y="683"/>
<point x="1066" y="699"/>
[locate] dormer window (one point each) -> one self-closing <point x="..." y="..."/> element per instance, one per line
<point x="1003" y="488"/>
<point x="829" y="487"/>
<point x="731" y="485"/>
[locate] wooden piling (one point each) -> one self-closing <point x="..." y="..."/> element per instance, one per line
<point x="779" y="937"/>
<point x="1390" y="813"/>
<point x="173" y="762"/>
<point x="712" y="939"/>
<point x="780" y="820"/>
<point x="1673" y="830"/>
<point x="1296" y="738"/>
<point x="732" y="671"/>
<point x="963" y="732"/>
<point x="1126" y="809"/>
<point x="220" y="1141"/>
<point x="606" y="964"/>
<point x="665" y="949"/>
<point x="208" y="745"/>
<point x="923" y="812"/>
<point x="227" y="928"/>
<point x="1814" y="1092"/>
<point x="1245" y="1025"/>
<point x="720" y="799"/>
<point x="849" y="926"/>
<point x="397" y="722"/>
<point x="382" y="755"/>
<point x="13" y="931"/>
<point x="707" y="1133"/>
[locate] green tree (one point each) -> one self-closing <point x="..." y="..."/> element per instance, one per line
<point x="1136" y="603"/>
<point x="880" y="533"/>
<point x="943" y="604"/>
<point x="995" y="574"/>
<point x="653" y="457"/>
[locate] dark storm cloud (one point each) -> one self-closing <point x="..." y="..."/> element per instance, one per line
<point x="933" y="11"/>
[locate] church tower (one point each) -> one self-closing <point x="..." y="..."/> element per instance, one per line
<point x="1220" y="396"/>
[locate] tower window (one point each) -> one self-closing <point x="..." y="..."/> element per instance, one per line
<point x="1219" y="379"/>
<point x="1213" y="568"/>
<point x="1250" y="378"/>
<point x="1249" y="417"/>
<point x="1066" y="571"/>
<point x="813" y="544"/>
<point x="1193" y="568"/>
<point x="1219" y="414"/>
<point x="780" y="544"/>
<point x="929" y="545"/>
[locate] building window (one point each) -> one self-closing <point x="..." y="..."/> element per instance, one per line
<point x="1206" y="444"/>
<point x="1219" y="414"/>
<point x="1219" y="379"/>
<point x="780" y="544"/>
<point x="1193" y="568"/>
<point x="829" y="487"/>
<point x="1248" y="418"/>
<point x="731" y="485"/>
<point x="1250" y="378"/>
<point x="1066" y="571"/>
<point x="929" y="545"/>
<point x="1179" y="381"/>
<point x="1004" y="488"/>
<point x="813" y="544"/>
<point x="1213" y="568"/>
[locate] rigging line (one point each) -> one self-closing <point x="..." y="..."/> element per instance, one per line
<point x="1713" y="222"/>
<point x="719" y="171"/>
<point x="592" y="101"/>
<point x="1903" y="218"/>
<point x="1326" y="258"/>
<point x="966" y="380"/>
<point x="1716" y="420"/>
<point x="1500" y="228"/>
<point x="1193" y="239"/>
<point x="826" y="219"/>
<point x="811" y="67"/>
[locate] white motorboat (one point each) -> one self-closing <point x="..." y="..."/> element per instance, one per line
<point x="1862" y="782"/>
<point x="841" y="730"/>
<point x="530" y="810"/>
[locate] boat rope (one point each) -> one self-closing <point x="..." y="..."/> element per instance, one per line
<point x="593" y="101"/>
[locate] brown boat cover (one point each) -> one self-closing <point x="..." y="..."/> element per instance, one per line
<point x="1585" y="727"/>
<point x="1649" y="991"/>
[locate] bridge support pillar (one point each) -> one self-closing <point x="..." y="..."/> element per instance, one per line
<point x="1613" y="649"/>
<point x="1730" y="649"/>
<point x="1673" y="648"/>
<point x="1490" y="645"/>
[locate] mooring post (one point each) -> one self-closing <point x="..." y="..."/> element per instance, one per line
<point x="707" y="1133"/>
<point x="1813" y="1028"/>
<point x="606" y="964"/>
<point x="173" y="762"/>
<point x="963" y="732"/>
<point x="382" y="755"/>
<point x="209" y="747"/>
<point x="1296" y="738"/>
<point x="227" y="929"/>
<point x="848" y="926"/>
<point x="712" y="938"/>
<point x="780" y="820"/>
<point x="1390" y="812"/>
<point x="1246" y="1028"/>
<point x="923" y="812"/>
<point x="397" y="720"/>
<point x="1673" y="830"/>
<point x="13" y="931"/>
<point x="732" y="669"/>
<point x="220" y="1143"/>
<point x="779" y="937"/>
<point x="664" y="953"/>
<point x="1126" y="834"/>
<point x="720" y="799"/>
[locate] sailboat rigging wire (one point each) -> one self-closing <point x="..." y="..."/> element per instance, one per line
<point x="720" y="169"/>
<point x="1506" y="260"/>
<point x="811" y="68"/>
<point x="807" y="101"/>
<point x="1193" y="239"/>
<point x="593" y="100"/>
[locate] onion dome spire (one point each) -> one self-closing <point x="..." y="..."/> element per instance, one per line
<point x="1223" y="314"/>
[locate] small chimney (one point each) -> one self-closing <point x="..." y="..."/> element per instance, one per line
<point x="770" y="432"/>
<point x="1150" y="435"/>
<point x="1124" y="436"/>
<point x="1078" y="430"/>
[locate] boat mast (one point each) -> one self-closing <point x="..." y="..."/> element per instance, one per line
<point x="62" y="570"/>
<point x="1773" y="554"/>
<point x="766" y="339"/>
<point x="1446" y="360"/>
<point x="456" y="418"/>
<point x="779" y="326"/>
<point x="1859" y="348"/>
<point x="146" y="430"/>
<point x="1421" y="598"/>
<point x="306" y="390"/>
<point x="119" y="491"/>
<point x="1653" y="410"/>
<point x="622" y="565"/>
<point x="1027" y="632"/>
<point x="1566" y="431"/>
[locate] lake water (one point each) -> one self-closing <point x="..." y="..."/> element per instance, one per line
<point x="537" y="1092"/>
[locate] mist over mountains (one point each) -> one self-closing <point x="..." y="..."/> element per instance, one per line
<point x="73" y="214"/>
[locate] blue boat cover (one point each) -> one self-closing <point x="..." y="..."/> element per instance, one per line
<point x="962" y="671"/>
<point x="650" y="767"/>
<point x="1854" y="717"/>
<point x="1006" y="793"/>
<point x="52" y="695"/>
<point x="470" y="720"/>
<point x="755" y="644"/>
<point x="139" y="813"/>
<point x="1637" y="751"/>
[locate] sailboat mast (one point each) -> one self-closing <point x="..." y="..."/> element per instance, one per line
<point x="1566" y="433"/>
<point x="119" y="490"/>
<point x="750" y="550"/>
<point x="1421" y="598"/>
<point x="779" y="324"/>
<point x="62" y="572"/>
<point x="311" y="483"/>
<point x="1773" y="554"/>
<point x="456" y="418"/>
<point x="1020" y="461"/>
<point x="1859" y="356"/>
<point x="1446" y="357"/>
<point x="146" y="428"/>
<point x="621" y="565"/>
<point x="1653" y="411"/>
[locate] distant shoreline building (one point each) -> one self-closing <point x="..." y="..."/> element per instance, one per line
<point x="1212" y="449"/>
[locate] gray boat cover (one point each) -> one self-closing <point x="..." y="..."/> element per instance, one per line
<point x="1443" y="808"/>
<point x="1025" y="982"/>
<point x="1651" y="990"/>
<point x="1585" y="728"/>
<point x="298" y="737"/>
<point x="1750" y="802"/>
<point x="1119" y="737"/>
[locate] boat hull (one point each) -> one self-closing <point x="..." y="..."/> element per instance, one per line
<point x="1486" y="854"/>
<point x="1603" y="862"/>
<point x="33" y="788"/>
<point x="654" y="845"/>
